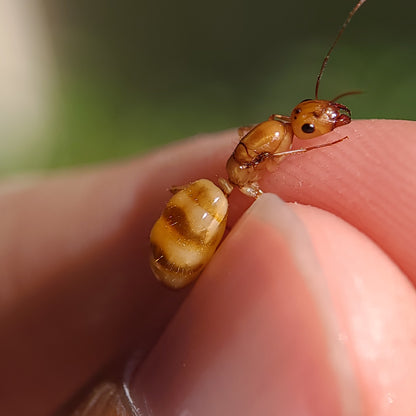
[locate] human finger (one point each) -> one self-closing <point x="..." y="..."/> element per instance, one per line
<point x="297" y="313"/>
<point x="118" y="239"/>
<point x="368" y="180"/>
<point x="77" y="291"/>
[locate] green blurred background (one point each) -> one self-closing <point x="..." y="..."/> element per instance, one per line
<point x="98" y="80"/>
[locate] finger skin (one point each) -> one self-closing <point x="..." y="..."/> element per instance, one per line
<point x="76" y="288"/>
<point x="368" y="180"/>
<point x="299" y="313"/>
<point x="256" y="335"/>
<point x="376" y="307"/>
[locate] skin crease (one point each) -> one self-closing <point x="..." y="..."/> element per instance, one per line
<point x="75" y="297"/>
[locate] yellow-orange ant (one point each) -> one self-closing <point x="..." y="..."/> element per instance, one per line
<point x="263" y="146"/>
<point x="192" y="225"/>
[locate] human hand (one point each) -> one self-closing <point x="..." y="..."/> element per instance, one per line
<point x="298" y="312"/>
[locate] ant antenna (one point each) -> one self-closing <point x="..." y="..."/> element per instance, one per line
<point x="344" y="94"/>
<point x="345" y="24"/>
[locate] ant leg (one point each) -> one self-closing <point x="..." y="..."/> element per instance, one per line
<point x="319" y="146"/>
<point x="278" y="117"/>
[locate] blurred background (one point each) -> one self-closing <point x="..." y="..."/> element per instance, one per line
<point x="84" y="82"/>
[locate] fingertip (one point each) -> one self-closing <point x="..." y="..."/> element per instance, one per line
<point x="375" y="305"/>
<point x="368" y="180"/>
<point x="255" y="314"/>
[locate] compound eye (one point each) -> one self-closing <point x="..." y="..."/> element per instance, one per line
<point x="308" y="128"/>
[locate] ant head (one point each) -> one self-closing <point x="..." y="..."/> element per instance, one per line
<point x="313" y="118"/>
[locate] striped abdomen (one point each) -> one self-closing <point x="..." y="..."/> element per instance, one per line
<point x="188" y="232"/>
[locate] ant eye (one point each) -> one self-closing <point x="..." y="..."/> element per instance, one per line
<point x="297" y="110"/>
<point x="308" y="128"/>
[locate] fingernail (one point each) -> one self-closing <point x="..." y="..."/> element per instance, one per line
<point x="256" y="336"/>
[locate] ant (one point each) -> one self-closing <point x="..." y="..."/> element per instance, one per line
<point x="192" y="225"/>
<point x="264" y="146"/>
